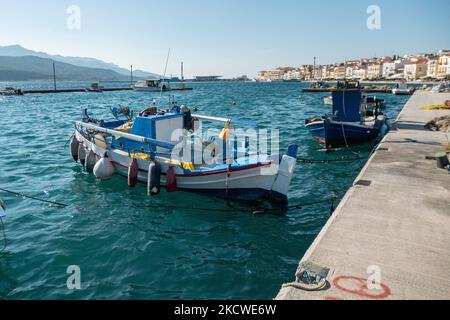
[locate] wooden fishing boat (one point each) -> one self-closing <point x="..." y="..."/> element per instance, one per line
<point x="144" y="150"/>
<point x="353" y="120"/>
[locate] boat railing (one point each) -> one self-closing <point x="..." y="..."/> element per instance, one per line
<point x="211" y="118"/>
<point x="133" y="137"/>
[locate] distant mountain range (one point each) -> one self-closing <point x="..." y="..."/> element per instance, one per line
<point x="18" y="63"/>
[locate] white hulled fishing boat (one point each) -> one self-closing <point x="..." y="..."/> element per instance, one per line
<point x="152" y="85"/>
<point x="164" y="148"/>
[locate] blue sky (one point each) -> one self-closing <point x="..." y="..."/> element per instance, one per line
<point x="225" y="37"/>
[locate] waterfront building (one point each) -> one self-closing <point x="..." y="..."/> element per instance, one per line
<point x="443" y="66"/>
<point x="416" y="69"/>
<point x="394" y="69"/>
<point x="261" y="76"/>
<point x="375" y="70"/>
<point x="360" y="72"/>
<point x="318" y="73"/>
<point x="340" y="72"/>
<point x="432" y="68"/>
<point x="292" y="75"/>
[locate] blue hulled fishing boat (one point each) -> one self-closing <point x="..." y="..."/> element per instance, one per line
<point x="353" y="121"/>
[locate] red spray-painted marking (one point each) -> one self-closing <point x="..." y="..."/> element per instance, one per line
<point x="358" y="286"/>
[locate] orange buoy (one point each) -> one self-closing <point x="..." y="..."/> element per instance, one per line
<point x="133" y="170"/>
<point x="171" y="180"/>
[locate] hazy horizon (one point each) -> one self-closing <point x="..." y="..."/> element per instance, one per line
<point x="229" y="38"/>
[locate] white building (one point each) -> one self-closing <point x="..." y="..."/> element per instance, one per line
<point x="360" y="73"/>
<point x="393" y="68"/>
<point x="432" y="68"/>
<point x="340" y="72"/>
<point x="375" y="70"/>
<point x="416" y="70"/>
<point x="443" y="66"/>
<point x="293" y="75"/>
<point x="318" y="73"/>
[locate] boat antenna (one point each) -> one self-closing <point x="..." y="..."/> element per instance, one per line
<point x="165" y="70"/>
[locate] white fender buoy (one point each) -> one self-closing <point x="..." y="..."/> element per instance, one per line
<point x="104" y="169"/>
<point x="82" y="154"/>
<point x="74" y="144"/>
<point x="90" y="161"/>
<point x="154" y="179"/>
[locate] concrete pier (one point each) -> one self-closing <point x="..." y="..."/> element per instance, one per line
<point x="389" y="238"/>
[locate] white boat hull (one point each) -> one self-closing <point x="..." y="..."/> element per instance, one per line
<point x="253" y="182"/>
<point x="147" y="89"/>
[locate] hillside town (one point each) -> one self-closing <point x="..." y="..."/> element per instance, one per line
<point x="419" y="67"/>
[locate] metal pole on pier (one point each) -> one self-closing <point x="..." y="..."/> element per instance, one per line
<point x="182" y="72"/>
<point x="314" y="69"/>
<point x="182" y="75"/>
<point x="54" y="76"/>
<point x="131" y="75"/>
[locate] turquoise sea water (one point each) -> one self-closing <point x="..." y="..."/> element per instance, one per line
<point x="128" y="245"/>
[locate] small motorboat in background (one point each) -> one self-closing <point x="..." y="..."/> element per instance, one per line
<point x="8" y="91"/>
<point x="152" y="85"/>
<point x="402" y="89"/>
<point x="353" y="120"/>
<point x="95" y="87"/>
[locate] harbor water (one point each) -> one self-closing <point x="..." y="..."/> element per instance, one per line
<point x="130" y="246"/>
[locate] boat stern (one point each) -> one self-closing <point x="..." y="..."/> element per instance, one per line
<point x="284" y="176"/>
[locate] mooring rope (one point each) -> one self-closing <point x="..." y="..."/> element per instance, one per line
<point x="33" y="198"/>
<point x="67" y="142"/>
<point x="312" y="161"/>
<point x="4" y="235"/>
